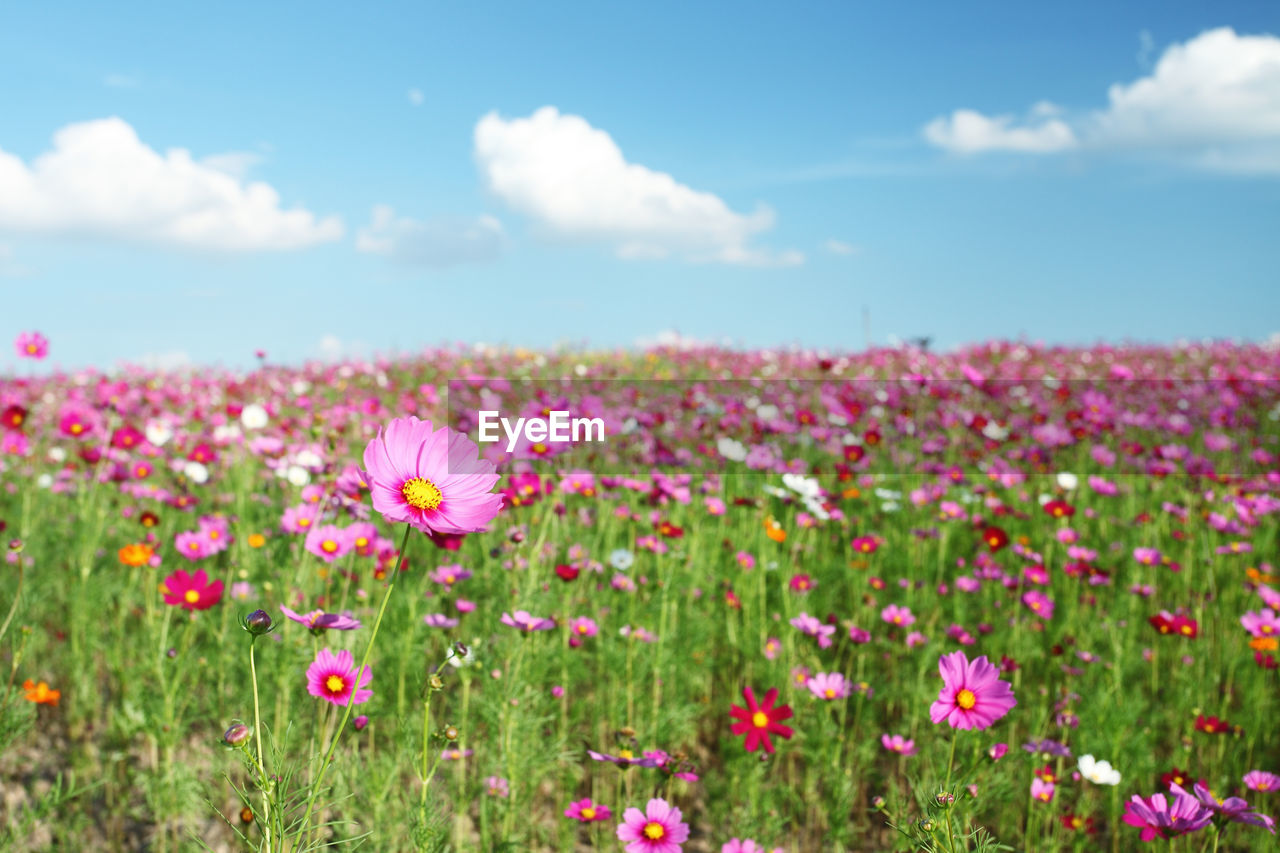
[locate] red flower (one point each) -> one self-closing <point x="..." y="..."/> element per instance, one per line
<point x="1076" y="823"/>
<point x="1211" y="725"/>
<point x="566" y="572"/>
<point x="995" y="538"/>
<point x="13" y="417"/>
<point x="758" y="721"/>
<point x="1059" y="509"/>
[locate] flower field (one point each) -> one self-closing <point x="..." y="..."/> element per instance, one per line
<point x="1008" y="597"/>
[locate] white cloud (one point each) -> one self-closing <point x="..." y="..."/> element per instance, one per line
<point x="333" y="348"/>
<point x="100" y="180"/>
<point x="439" y="242"/>
<point x="968" y="132"/>
<point x="1212" y="101"/>
<point x="234" y="163"/>
<point x="161" y="361"/>
<point x="840" y="247"/>
<point x="416" y="97"/>
<point x="573" y="180"/>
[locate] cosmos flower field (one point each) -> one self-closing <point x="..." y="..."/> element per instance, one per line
<point x="1008" y="597"/>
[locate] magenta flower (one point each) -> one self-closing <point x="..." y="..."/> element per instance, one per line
<point x="1038" y="603"/>
<point x="972" y="695"/>
<point x="191" y="591"/>
<point x="1261" y="780"/>
<point x="1041" y="790"/>
<point x="319" y="621"/>
<point x="1261" y="624"/>
<point x="432" y="479"/>
<point x="192" y="545"/>
<point x="1158" y="818"/>
<point x="497" y="786"/>
<point x="658" y="829"/>
<point x="525" y="622"/>
<point x="31" y="345"/>
<point x="1233" y="809"/>
<point x="749" y="845"/>
<point x="1147" y="556"/>
<point x="898" y="744"/>
<point x="896" y="615"/>
<point x="586" y="811"/>
<point x="332" y="677"/>
<point x="583" y="626"/>
<point x="814" y="627"/>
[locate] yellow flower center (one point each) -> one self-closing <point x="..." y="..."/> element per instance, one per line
<point x="421" y="494"/>
<point x="654" y="830"/>
<point x="304" y="522"/>
<point x="625" y="753"/>
<point x="191" y="596"/>
<point x="829" y="693"/>
<point x="76" y="429"/>
<point x="966" y="700"/>
<point x="335" y="684"/>
<point x="329" y="546"/>
<point x="32" y="349"/>
<point x="760" y="719"/>
<point x="588" y="813"/>
<point x="540" y="449"/>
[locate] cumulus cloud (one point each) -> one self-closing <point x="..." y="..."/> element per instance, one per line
<point x="100" y="180"/>
<point x="574" y="182"/>
<point x="439" y="242"/>
<point x="1213" y="101"/>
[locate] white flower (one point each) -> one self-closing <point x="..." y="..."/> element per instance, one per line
<point x="995" y="432"/>
<point x="226" y="433"/>
<point x="309" y="459"/>
<point x="621" y="559"/>
<point x="767" y="412"/>
<point x="44" y="481"/>
<point x="1067" y="480"/>
<point x="297" y="475"/>
<point x="57" y="454"/>
<point x="806" y="487"/>
<point x="158" y="433"/>
<point x="195" y="472"/>
<point x="1098" y="772"/>
<point x="731" y="449"/>
<point x="254" y="416"/>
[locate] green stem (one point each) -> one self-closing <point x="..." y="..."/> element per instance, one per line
<point x="333" y="744"/>
<point x="257" y="736"/>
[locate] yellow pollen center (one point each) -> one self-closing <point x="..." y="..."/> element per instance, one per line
<point x="304" y="522"/>
<point x="329" y="546"/>
<point x="421" y="494"/>
<point x="830" y="693"/>
<point x="588" y="813"/>
<point x="335" y="684"/>
<point x="191" y="596"/>
<point x="76" y="429"/>
<point x="966" y="700"/>
<point x="760" y="719"/>
<point x="654" y="830"/>
<point x="362" y="542"/>
<point x="625" y="753"/>
<point x="32" y="349"/>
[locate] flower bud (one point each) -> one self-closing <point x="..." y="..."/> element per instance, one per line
<point x="360" y="722"/>
<point x="237" y="735"/>
<point x="877" y="803"/>
<point x="16" y="546"/>
<point x="436" y="682"/>
<point x="450" y="733"/>
<point x="258" y="623"/>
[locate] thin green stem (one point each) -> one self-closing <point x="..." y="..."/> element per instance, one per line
<point x="257" y="736"/>
<point x="368" y="651"/>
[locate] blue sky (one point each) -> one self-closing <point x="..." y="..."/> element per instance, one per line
<point x="602" y="173"/>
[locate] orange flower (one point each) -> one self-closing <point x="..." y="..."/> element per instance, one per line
<point x="774" y="530"/>
<point x="851" y="493"/>
<point x="1265" y="644"/>
<point x="40" y="693"/>
<point x="136" y="554"/>
<point x="257" y="540"/>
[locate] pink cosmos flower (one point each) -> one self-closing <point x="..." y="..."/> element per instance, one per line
<point x="749" y="845"/>
<point x="332" y="677"/>
<point x="1041" y="790"/>
<point x="658" y="829"/>
<point x="972" y="695"/>
<point x="525" y="622"/>
<point x="829" y="685"/>
<point x="896" y="615"/>
<point x="1261" y="624"/>
<point x="327" y="541"/>
<point x="319" y="621"/>
<point x="31" y="345"/>
<point x="1038" y="603"/>
<point x="583" y="626"/>
<point x="587" y="812"/>
<point x="191" y="591"/>
<point x="898" y="744"/>
<point x="192" y="545"/>
<point x="1261" y="780"/>
<point x="1158" y="818"/>
<point x="433" y="479"/>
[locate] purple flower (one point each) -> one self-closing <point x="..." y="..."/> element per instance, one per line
<point x="525" y="622"/>
<point x="319" y="621"/>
